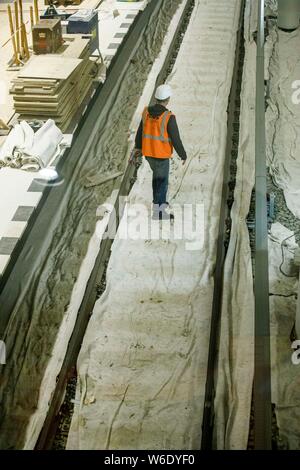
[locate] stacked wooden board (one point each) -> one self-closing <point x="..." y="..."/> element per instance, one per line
<point x="53" y="86"/>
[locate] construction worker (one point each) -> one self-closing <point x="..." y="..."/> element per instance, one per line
<point x="157" y="135"/>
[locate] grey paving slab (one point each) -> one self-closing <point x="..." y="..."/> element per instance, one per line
<point x="37" y="186"/>
<point x="23" y="213"/>
<point x="120" y="35"/>
<point x="113" y="45"/>
<point x="7" y="245"/>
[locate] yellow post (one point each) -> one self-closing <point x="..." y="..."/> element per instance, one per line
<point x="12" y="32"/>
<point x="36" y="11"/>
<point x="25" y="42"/>
<point x="21" y="11"/>
<point x="21" y="29"/>
<point x="31" y="17"/>
<point x="18" y="35"/>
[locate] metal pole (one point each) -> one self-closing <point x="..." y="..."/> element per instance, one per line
<point x="262" y="373"/>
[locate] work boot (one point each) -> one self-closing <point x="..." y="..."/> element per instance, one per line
<point x="162" y="215"/>
<point x="165" y="216"/>
<point x="162" y="212"/>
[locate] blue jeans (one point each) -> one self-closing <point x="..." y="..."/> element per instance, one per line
<point x="160" y="178"/>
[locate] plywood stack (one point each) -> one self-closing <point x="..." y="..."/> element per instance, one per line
<point x="75" y="46"/>
<point x="53" y="86"/>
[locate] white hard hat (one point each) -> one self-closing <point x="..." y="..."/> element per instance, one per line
<point x="163" y="92"/>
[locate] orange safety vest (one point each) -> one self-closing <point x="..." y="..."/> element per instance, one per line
<point x="156" y="142"/>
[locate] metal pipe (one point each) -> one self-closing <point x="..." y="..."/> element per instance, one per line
<point x="288" y="14"/>
<point x="262" y="370"/>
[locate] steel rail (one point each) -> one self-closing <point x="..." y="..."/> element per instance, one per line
<point x="208" y="412"/>
<point x="262" y="370"/>
<point x="47" y="434"/>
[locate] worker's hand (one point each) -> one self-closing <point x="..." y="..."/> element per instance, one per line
<point x="184" y="162"/>
<point x="136" y="153"/>
<point x="133" y="156"/>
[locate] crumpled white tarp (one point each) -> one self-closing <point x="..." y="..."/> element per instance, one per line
<point x="236" y="353"/>
<point x="271" y="7"/>
<point x="283" y="152"/>
<point x="29" y="150"/>
<point x="283" y="303"/>
<point x="142" y="365"/>
<point x="283" y="115"/>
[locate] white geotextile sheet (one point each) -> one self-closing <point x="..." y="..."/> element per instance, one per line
<point x="283" y="143"/>
<point x="283" y="115"/>
<point x="271" y="7"/>
<point x="283" y="303"/>
<point x="236" y="352"/>
<point x="29" y="150"/>
<point x="142" y="365"/>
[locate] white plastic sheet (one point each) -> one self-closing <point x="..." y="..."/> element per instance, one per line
<point x="31" y="151"/>
<point x="142" y="366"/>
<point x="283" y="115"/>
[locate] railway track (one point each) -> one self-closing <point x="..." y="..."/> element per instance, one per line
<point x="227" y="199"/>
<point x="96" y="284"/>
<point x="262" y="359"/>
<point x="263" y="429"/>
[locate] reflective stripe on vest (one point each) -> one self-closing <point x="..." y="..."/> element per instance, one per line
<point x="163" y="148"/>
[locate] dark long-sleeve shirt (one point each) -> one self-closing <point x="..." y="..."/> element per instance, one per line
<point x="172" y="129"/>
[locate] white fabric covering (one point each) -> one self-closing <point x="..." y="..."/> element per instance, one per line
<point x="283" y="152"/>
<point x="142" y="365"/>
<point x="283" y="116"/>
<point x="236" y="355"/>
<point x="31" y="151"/>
